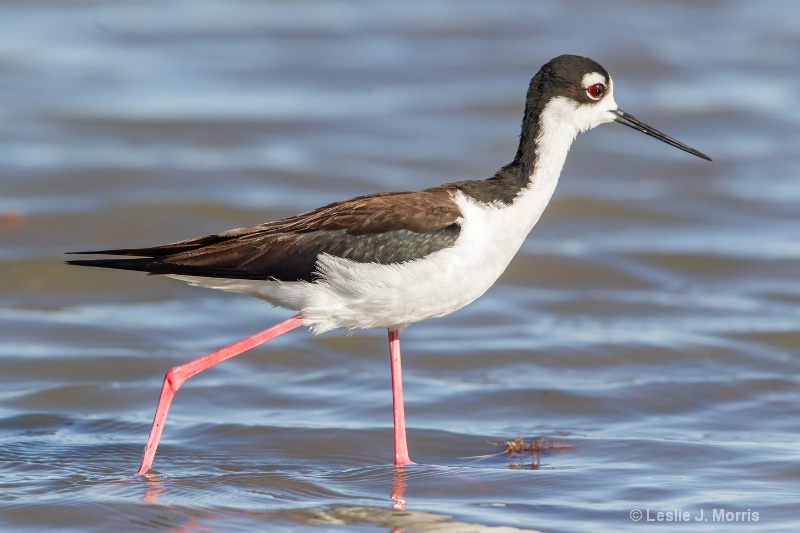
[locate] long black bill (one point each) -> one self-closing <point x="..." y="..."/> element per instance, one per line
<point x="633" y="122"/>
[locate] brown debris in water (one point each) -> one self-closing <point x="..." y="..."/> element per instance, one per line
<point x="519" y="450"/>
<point x="11" y="219"/>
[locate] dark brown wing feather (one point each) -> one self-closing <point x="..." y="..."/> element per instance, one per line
<point x="383" y="228"/>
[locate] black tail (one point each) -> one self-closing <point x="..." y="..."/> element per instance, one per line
<point x="150" y="260"/>
<point x="157" y="251"/>
<point x="147" y="264"/>
<point x="158" y="265"/>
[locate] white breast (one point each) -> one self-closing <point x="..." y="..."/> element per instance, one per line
<point x="369" y="295"/>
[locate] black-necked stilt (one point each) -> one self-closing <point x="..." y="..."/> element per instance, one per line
<point x="391" y="259"/>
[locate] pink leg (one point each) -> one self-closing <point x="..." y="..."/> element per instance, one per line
<point x="177" y="375"/>
<point x="400" y="446"/>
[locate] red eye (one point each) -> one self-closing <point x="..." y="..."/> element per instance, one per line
<point x="596" y="91"/>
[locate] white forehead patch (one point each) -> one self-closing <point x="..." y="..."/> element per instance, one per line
<point x="592" y="78"/>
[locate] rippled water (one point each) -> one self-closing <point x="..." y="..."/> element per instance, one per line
<point x="650" y="325"/>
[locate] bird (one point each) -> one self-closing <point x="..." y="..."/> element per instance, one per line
<point x="391" y="259"/>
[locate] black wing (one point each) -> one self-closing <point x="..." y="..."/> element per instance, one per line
<point x="382" y="228"/>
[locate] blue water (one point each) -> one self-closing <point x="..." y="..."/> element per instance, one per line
<point x="649" y="327"/>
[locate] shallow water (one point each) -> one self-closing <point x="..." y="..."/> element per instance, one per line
<point x="650" y="325"/>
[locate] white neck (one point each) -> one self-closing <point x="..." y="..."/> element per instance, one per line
<point x="555" y="137"/>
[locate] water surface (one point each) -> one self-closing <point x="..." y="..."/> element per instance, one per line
<point x="650" y="325"/>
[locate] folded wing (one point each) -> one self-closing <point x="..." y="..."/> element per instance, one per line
<point x="381" y="228"/>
